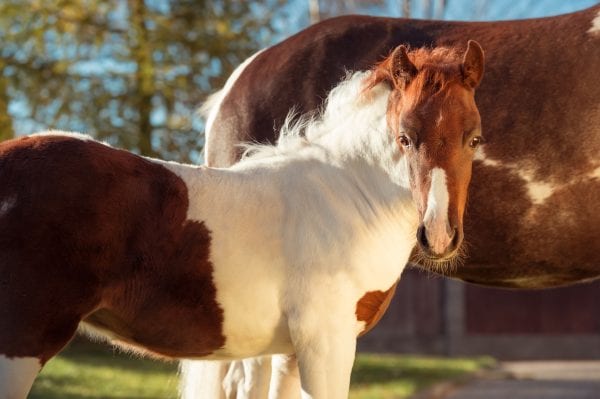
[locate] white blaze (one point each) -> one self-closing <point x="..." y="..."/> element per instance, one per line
<point x="17" y="375"/>
<point x="436" y="216"/>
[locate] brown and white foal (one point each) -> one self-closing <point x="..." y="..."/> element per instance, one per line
<point x="180" y="261"/>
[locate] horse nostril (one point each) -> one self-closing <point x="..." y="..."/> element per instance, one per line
<point x="456" y="239"/>
<point x="422" y="237"/>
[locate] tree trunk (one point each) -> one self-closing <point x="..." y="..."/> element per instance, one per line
<point x="6" y="127"/>
<point x="440" y="9"/>
<point x="314" y="10"/>
<point x="142" y="54"/>
<point x="406" y="8"/>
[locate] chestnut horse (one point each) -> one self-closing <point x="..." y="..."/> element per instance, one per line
<point x="533" y="219"/>
<point x="184" y="261"/>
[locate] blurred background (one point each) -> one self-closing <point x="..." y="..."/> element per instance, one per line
<point x="134" y="72"/>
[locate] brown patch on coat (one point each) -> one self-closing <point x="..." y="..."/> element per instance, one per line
<point x="100" y="233"/>
<point x="372" y="306"/>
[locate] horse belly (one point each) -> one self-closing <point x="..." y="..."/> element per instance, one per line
<point x="523" y="239"/>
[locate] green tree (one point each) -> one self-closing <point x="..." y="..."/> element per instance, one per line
<point x="131" y="73"/>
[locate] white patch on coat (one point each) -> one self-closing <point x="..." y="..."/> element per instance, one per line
<point x="17" y="375"/>
<point x="7" y="204"/>
<point x="345" y="174"/>
<point x="539" y="191"/>
<point x="436" y="215"/>
<point x="595" y="28"/>
<point x="481" y="156"/>
<point x="211" y="107"/>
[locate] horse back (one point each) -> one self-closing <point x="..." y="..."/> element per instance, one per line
<point x="317" y="58"/>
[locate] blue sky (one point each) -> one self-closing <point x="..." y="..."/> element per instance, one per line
<point x="465" y="10"/>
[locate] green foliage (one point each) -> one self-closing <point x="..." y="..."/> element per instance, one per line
<point x="94" y="371"/>
<point x="131" y="73"/>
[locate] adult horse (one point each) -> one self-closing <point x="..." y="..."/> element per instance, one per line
<point x="270" y="256"/>
<point x="533" y="218"/>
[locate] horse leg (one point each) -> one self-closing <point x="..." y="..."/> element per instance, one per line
<point x="17" y="375"/>
<point x="26" y="347"/>
<point x="257" y="375"/>
<point x="285" y="378"/>
<point x="202" y="379"/>
<point x="233" y="382"/>
<point x="325" y="350"/>
<point x="40" y="313"/>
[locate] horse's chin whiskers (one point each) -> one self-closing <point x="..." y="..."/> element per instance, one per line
<point x="443" y="266"/>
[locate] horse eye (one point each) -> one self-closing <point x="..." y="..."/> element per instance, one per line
<point x="475" y="141"/>
<point x="404" y="141"/>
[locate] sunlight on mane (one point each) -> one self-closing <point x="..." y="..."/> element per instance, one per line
<point x="348" y="108"/>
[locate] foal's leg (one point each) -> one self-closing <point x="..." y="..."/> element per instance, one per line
<point x="285" y="378"/>
<point x="202" y="379"/>
<point x="257" y="375"/>
<point x="233" y="382"/>
<point x="17" y="375"/>
<point x="325" y="347"/>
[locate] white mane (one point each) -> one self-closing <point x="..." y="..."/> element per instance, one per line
<point x="348" y="115"/>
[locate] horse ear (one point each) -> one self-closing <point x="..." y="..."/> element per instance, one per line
<point x="473" y="64"/>
<point x="402" y="69"/>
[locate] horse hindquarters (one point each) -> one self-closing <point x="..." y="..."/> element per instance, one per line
<point x="41" y="302"/>
<point x="40" y="307"/>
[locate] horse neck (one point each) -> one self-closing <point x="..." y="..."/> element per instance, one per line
<point x="351" y="138"/>
<point x="353" y="128"/>
<point x="348" y="156"/>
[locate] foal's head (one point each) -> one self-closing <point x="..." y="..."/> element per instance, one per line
<point x="433" y="117"/>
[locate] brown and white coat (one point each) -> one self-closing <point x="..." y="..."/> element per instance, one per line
<point x="182" y="261"/>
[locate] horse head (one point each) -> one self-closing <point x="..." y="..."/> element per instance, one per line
<point x="436" y="125"/>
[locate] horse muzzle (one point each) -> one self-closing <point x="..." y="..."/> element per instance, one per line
<point x="439" y="245"/>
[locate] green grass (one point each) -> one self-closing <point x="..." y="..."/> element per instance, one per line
<point x="94" y="371"/>
<point x="400" y="376"/>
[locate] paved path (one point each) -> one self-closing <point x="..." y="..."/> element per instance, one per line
<point x="534" y="380"/>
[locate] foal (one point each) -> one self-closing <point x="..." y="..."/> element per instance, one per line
<point x="181" y="261"/>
